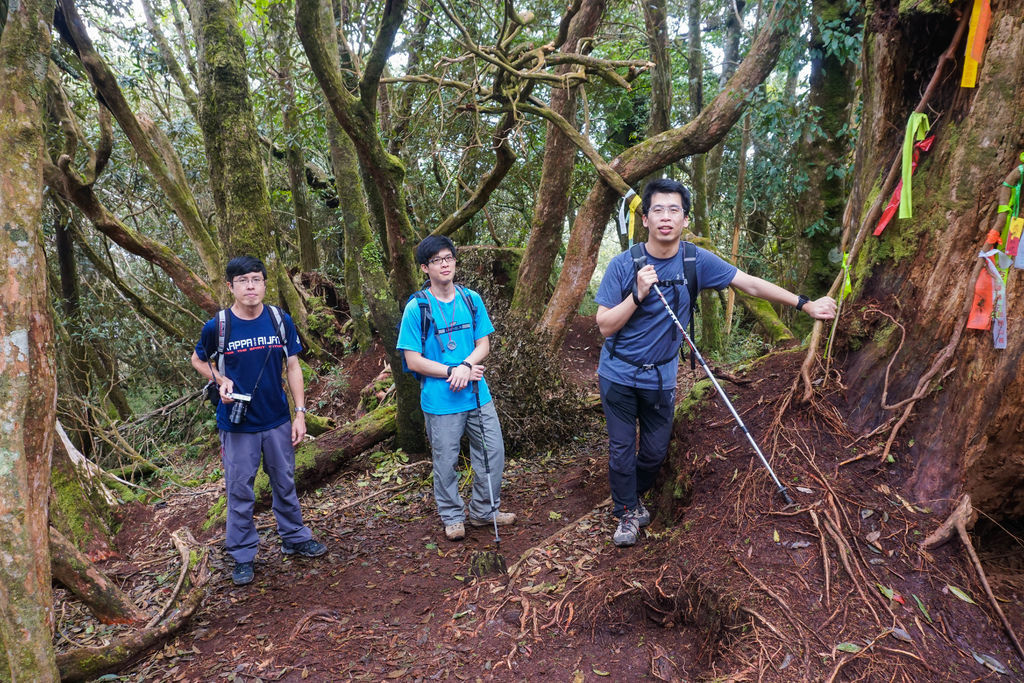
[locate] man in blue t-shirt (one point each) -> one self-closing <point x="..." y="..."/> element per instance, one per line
<point x="640" y="357"/>
<point x="454" y="396"/>
<point x="253" y="415"/>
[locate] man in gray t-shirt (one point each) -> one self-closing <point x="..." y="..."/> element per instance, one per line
<point x="640" y="357"/>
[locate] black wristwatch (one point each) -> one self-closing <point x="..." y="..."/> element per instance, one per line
<point x="450" y="368"/>
<point x="800" y="301"/>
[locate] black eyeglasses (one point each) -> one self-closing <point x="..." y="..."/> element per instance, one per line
<point x="438" y="260"/>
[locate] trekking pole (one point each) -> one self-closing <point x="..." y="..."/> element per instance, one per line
<point x="487" y="466"/>
<point x="721" y="392"/>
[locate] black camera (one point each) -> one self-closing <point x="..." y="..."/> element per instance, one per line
<point x="237" y="410"/>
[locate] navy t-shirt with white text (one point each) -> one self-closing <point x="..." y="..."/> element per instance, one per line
<point x="250" y="344"/>
<point x="650" y="335"/>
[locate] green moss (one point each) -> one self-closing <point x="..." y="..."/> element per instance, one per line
<point x="217" y="515"/>
<point x="687" y="408"/>
<point x="910" y="7"/>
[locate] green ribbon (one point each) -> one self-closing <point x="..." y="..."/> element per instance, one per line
<point x="847" y="284"/>
<point x="917" y="128"/>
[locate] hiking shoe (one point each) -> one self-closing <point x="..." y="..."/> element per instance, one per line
<point x="642" y="515"/>
<point x="504" y="519"/>
<point x="627" y="531"/>
<point x="243" y="573"/>
<point x="310" y="548"/>
<point x="455" y="532"/>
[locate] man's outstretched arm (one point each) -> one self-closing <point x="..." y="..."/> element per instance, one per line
<point x="821" y="309"/>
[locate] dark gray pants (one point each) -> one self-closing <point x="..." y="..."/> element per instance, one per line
<point x="240" y="453"/>
<point x="444" y="433"/>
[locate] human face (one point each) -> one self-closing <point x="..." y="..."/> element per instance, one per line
<point x="665" y="218"/>
<point x="440" y="267"/>
<point x="249" y="289"/>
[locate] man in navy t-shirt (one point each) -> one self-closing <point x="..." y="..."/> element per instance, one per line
<point x="640" y="357"/>
<point x="254" y="358"/>
<point x="454" y="396"/>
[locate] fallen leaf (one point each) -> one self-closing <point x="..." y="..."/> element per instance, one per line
<point x="960" y="594"/>
<point x="554" y="515"/>
<point x="873" y="536"/>
<point x="920" y="606"/>
<point x="900" y="634"/>
<point x="599" y="672"/>
<point x="848" y="647"/>
<point x="990" y="662"/>
<point x="577" y="676"/>
<point x="804" y="489"/>
<point x="885" y="590"/>
<point x="397" y="673"/>
<point x="775" y="535"/>
<point x="865" y="513"/>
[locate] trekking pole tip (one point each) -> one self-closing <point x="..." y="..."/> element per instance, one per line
<point x="786" y="496"/>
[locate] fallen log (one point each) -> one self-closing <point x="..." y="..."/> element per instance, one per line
<point x="90" y="662"/>
<point x="319" y="459"/>
<point x="79" y="575"/>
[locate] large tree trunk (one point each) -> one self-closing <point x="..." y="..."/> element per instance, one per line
<point x="80" y="503"/>
<point x="28" y="391"/>
<point x="825" y="153"/>
<point x="386" y="174"/>
<point x="552" y="202"/>
<point x="921" y="271"/>
<point x="698" y="136"/>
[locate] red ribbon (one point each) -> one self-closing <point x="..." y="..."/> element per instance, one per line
<point x="894" y="203"/>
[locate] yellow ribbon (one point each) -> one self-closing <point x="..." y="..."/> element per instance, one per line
<point x="634" y="204"/>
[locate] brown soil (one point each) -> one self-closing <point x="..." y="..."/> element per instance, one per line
<point x="726" y="584"/>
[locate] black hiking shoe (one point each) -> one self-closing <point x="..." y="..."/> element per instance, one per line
<point x="243" y="573"/>
<point x="310" y="548"/>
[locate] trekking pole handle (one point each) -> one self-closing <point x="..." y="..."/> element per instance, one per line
<point x="722" y="394"/>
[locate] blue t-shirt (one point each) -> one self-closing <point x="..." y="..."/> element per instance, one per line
<point x="249" y="344"/>
<point x="452" y="325"/>
<point x="650" y="336"/>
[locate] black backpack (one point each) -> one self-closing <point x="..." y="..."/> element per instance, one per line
<point x="224" y="333"/>
<point x="689" y="252"/>
<point x="427" y="318"/>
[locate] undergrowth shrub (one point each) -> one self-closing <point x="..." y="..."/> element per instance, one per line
<point x="539" y="407"/>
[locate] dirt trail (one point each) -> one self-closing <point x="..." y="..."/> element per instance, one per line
<point x="725" y="583"/>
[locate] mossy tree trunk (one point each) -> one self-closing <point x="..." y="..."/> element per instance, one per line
<point x="697" y="136"/>
<point x="385" y="172"/>
<point x="553" y="192"/>
<point x="921" y="271"/>
<point x="280" y="17"/>
<point x="825" y="153"/>
<point x="28" y="390"/>
<point x="81" y="506"/>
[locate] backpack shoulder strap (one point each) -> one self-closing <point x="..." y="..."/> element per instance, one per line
<point x="278" y="317"/>
<point x="426" y="317"/>
<point x="637" y="253"/>
<point x="690" y="271"/>
<point x="466" y="295"/>
<point x="223" y="334"/>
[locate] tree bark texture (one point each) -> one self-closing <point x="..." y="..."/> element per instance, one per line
<point x="920" y="271"/>
<point x="28" y="390"/>
<point x="697" y="136"/>
<point x="549" y="210"/>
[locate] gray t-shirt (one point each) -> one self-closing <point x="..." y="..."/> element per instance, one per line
<point x="650" y="336"/>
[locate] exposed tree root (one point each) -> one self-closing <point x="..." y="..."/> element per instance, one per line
<point x="79" y="575"/>
<point x="89" y="662"/>
<point x="180" y="539"/>
<point x="957" y="521"/>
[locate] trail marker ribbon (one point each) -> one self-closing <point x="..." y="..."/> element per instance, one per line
<point x="990" y="298"/>
<point x="917" y="127"/>
<point x="894" y="202"/>
<point x="628" y="227"/>
<point x="981" y="18"/>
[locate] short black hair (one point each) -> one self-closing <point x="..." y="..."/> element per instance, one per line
<point x="430" y="246"/>
<point x="241" y="265"/>
<point x="665" y="186"/>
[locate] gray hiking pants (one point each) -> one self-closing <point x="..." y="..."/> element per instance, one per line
<point x="240" y="454"/>
<point x="444" y="433"/>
